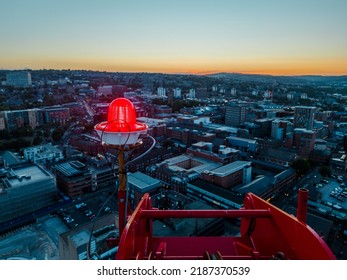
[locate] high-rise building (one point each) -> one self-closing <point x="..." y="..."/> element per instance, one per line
<point x="19" y="79"/>
<point x="303" y="117"/>
<point x="235" y="115"/>
<point x="161" y="91"/>
<point x="191" y="93"/>
<point x="177" y="93"/>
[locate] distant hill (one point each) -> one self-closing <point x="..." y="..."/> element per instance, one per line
<point x="318" y="78"/>
<point x="303" y="79"/>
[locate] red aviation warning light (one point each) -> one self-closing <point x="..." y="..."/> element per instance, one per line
<point x="121" y="127"/>
<point x="121" y="131"/>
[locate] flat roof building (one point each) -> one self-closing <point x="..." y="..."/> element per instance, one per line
<point x="43" y="154"/>
<point x="230" y="175"/>
<point x="139" y="184"/>
<point x="21" y="118"/>
<point x="103" y="176"/>
<point x="73" y="244"/>
<point x="188" y="164"/>
<point x="243" y="144"/>
<point x="73" y="178"/>
<point x="11" y="159"/>
<point x="25" y="189"/>
<point x="56" y="114"/>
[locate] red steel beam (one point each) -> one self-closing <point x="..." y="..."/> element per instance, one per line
<point x="244" y="213"/>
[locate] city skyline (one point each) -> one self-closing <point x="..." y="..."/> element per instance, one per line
<point x="271" y="37"/>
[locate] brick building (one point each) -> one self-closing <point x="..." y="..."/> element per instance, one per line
<point x="73" y="178"/>
<point x="230" y="175"/>
<point x="224" y="155"/>
<point x="304" y="141"/>
<point x="187" y="136"/>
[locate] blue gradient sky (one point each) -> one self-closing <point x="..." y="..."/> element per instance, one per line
<point x="249" y="36"/>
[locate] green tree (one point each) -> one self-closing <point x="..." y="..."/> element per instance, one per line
<point x="21" y="143"/>
<point x="23" y="131"/>
<point x="37" y="140"/>
<point x="39" y="133"/>
<point x="88" y="128"/>
<point x="159" y="101"/>
<point x="302" y="166"/>
<point x="179" y="104"/>
<point x="4" y="134"/>
<point x="57" y="134"/>
<point x="325" y="171"/>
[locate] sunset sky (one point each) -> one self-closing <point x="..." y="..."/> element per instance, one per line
<point x="176" y="36"/>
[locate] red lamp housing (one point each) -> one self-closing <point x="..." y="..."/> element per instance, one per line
<point x="121" y="127"/>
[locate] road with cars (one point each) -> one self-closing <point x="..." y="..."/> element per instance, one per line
<point x="83" y="210"/>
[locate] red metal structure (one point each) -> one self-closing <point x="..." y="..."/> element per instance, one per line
<point x="266" y="232"/>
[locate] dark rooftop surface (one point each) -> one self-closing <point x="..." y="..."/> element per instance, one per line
<point x="217" y="190"/>
<point x="70" y="168"/>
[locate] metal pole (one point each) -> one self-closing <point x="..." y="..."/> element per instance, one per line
<point x="121" y="191"/>
<point x="302" y="205"/>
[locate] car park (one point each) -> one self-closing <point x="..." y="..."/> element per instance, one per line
<point x="337" y="206"/>
<point x="80" y="205"/>
<point x="328" y="203"/>
<point x="334" y="194"/>
<point x="88" y="212"/>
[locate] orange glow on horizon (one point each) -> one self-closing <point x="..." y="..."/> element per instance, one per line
<point x="285" y="67"/>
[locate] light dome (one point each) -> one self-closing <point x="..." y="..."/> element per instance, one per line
<point x="121" y="127"/>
